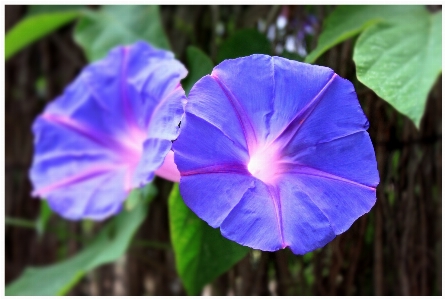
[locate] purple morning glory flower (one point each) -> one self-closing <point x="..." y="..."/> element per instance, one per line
<point x="275" y="153"/>
<point x="109" y="132"/>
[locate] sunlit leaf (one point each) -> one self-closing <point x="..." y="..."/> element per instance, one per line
<point x="401" y="62"/>
<point x="99" y="31"/>
<point x="349" y="20"/>
<point x="201" y="252"/>
<point x="109" y="245"/>
<point x="35" y="27"/>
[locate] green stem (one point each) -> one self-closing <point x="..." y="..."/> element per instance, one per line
<point x="20" y="222"/>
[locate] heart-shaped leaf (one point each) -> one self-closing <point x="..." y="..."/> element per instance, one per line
<point x="401" y="62"/>
<point x="99" y="31"/>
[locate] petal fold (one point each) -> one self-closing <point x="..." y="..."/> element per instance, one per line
<point x="254" y="221"/>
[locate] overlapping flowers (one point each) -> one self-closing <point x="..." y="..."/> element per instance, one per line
<point x="272" y="151"/>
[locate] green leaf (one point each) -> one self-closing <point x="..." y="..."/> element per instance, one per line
<point x="243" y="43"/>
<point x="198" y="64"/>
<point x="35" y="27"/>
<point x="110" y="244"/>
<point x="39" y="9"/>
<point x="347" y="21"/>
<point x="44" y="216"/>
<point x="139" y="195"/>
<point x="99" y="31"/>
<point x="401" y="62"/>
<point x="201" y="252"/>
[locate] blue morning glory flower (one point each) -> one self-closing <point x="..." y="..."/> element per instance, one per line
<point x="109" y="132"/>
<point x="275" y="153"/>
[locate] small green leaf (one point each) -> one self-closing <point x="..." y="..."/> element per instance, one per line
<point x="349" y="20"/>
<point x="198" y="64"/>
<point x="201" y="252"/>
<point x="99" y="31"/>
<point x="35" y="27"/>
<point x="44" y="216"/>
<point x="243" y="43"/>
<point x="109" y="245"/>
<point x="401" y="62"/>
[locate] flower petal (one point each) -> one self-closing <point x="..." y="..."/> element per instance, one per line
<point x="307" y="153"/>
<point x="296" y="86"/>
<point x="218" y="192"/>
<point x="255" y="221"/>
<point x="206" y="98"/>
<point x="109" y="132"/>
<point x="207" y="147"/>
<point x="341" y="202"/>
<point x="305" y="227"/>
<point x="249" y="83"/>
<point x="58" y="157"/>
<point x="349" y="158"/>
<point x="97" y="197"/>
<point x="334" y="113"/>
<point x="168" y="169"/>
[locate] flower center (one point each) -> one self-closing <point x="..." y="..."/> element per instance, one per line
<point x="264" y="164"/>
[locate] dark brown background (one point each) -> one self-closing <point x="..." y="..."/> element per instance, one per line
<point x="396" y="249"/>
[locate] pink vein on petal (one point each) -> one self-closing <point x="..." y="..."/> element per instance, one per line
<point x="99" y="138"/>
<point x="99" y="169"/>
<point x="246" y="124"/>
<point x="296" y="168"/>
<point x="133" y="128"/>
<point x="294" y="125"/>
<point x="223" y="168"/>
<point x="275" y="196"/>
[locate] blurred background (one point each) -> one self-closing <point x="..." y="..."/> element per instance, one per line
<point x="396" y="249"/>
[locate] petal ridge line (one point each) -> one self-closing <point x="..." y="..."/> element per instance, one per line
<point x="223" y="232"/>
<point x="294" y="125"/>
<point x="133" y="127"/>
<point x="93" y="135"/>
<point x="278" y="213"/>
<point x="89" y="201"/>
<point x="321" y="211"/>
<point x="127" y="111"/>
<point x="219" y="129"/>
<point x="326" y="141"/>
<point x="221" y="168"/>
<point x="310" y="171"/>
<point x="71" y="154"/>
<point x="269" y="115"/>
<point x="93" y="93"/>
<point x="75" y="179"/>
<point x="241" y="114"/>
